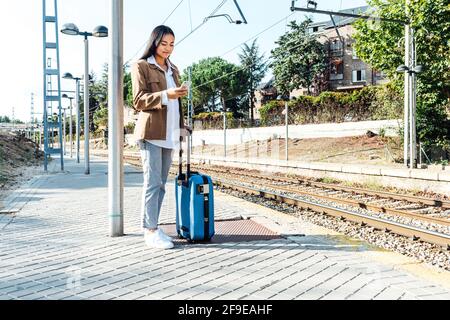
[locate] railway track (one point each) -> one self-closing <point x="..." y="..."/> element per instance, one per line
<point x="350" y="196"/>
<point x="341" y="202"/>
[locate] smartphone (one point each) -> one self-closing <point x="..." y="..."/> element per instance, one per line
<point x="186" y="84"/>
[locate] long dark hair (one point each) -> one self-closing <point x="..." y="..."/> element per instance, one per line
<point x="155" y="40"/>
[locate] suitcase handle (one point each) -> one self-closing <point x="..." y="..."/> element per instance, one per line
<point x="180" y="163"/>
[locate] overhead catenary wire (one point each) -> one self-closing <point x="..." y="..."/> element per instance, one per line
<point x="190" y="13"/>
<point x="236" y="71"/>
<point x="190" y="33"/>
<point x="260" y="33"/>
<point x="146" y="41"/>
<point x="238" y="46"/>
<point x="175" y="9"/>
<point x="203" y="23"/>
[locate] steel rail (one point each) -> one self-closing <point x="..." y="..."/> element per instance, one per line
<point x="362" y="205"/>
<point x="378" y="223"/>
<point x="382" y="194"/>
<point x="354" y="203"/>
<point x="445" y="204"/>
<point x="411" y="232"/>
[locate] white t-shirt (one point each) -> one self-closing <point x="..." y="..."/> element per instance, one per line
<point x="173" y="113"/>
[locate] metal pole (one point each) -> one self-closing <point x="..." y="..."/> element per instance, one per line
<point x="287" y="130"/>
<point x="420" y="154"/>
<point x="343" y="14"/>
<point x="411" y="119"/>
<point x="413" y="77"/>
<point x="71" y="131"/>
<point x="224" y="134"/>
<point x="45" y="116"/>
<point x="77" y="128"/>
<point x="224" y="128"/>
<point x="190" y="109"/>
<point x="86" y="105"/>
<point x="115" y="121"/>
<point x="64" y="132"/>
<point x="406" y="95"/>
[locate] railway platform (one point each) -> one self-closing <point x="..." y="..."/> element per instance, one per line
<point x="54" y="244"/>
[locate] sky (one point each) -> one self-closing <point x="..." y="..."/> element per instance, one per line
<point x="22" y="36"/>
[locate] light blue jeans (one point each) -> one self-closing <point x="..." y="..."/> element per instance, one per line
<point x="156" y="162"/>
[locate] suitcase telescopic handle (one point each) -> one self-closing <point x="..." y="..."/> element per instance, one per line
<point x="188" y="162"/>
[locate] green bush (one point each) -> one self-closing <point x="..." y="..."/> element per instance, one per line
<point x="214" y="120"/>
<point x="369" y="103"/>
<point x="387" y="103"/>
<point x="271" y="113"/>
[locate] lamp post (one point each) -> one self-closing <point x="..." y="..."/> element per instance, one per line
<point x="99" y="32"/>
<point x="65" y="96"/>
<point x="69" y="76"/>
<point x="64" y="131"/>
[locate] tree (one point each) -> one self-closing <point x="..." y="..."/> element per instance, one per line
<point x="5" y="119"/>
<point x="128" y="88"/>
<point x="215" y="81"/>
<point x="255" y="72"/>
<point x="99" y="96"/>
<point x="382" y="46"/>
<point x="101" y="117"/>
<point x="299" y="59"/>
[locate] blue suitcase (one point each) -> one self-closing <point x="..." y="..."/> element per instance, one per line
<point x="194" y="194"/>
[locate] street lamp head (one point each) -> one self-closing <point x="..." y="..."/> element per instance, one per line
<point x="70" y="29"/>
<point x="418" y="68"/>
<point x="68" y="76"/>
<point x="402" y="68"/>
<point x="100" y="32"/>
<point x="65" y="96"/>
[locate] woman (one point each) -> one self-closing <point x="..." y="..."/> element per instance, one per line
<point x="157" y="96"/>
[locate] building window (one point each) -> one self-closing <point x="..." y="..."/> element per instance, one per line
<point x="359" y="75"/>
<point x="336" y="48"/>
<point x="337" y="69"/>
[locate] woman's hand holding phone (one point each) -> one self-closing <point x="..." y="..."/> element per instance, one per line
<point x="176" y="93"/>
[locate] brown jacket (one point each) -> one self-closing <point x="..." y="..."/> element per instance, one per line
<point x="148" y="83"/>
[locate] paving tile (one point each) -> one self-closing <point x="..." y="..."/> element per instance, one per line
<point x="65" y="244"/>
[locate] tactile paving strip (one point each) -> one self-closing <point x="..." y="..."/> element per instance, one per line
<point x="229" y="231"/>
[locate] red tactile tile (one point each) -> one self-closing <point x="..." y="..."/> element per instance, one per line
<point x="230" y="231"/>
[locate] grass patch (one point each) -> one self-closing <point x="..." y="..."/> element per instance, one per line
<point x="370" y="185"/>
<point x="329" y="180"/>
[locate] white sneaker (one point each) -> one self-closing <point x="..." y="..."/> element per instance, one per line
<point x="155" y="240"/>
<point x="164" y="236"/>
